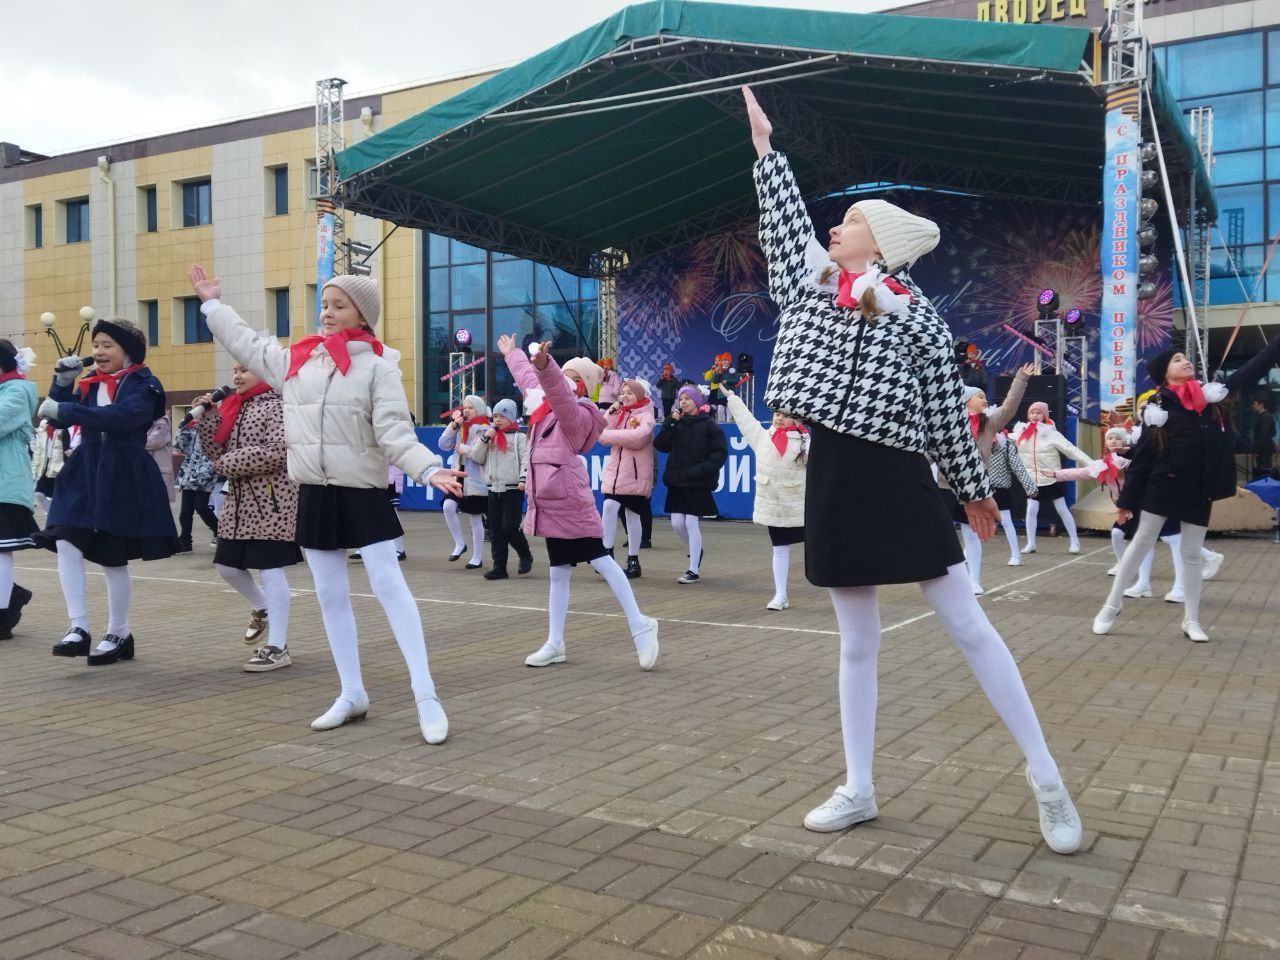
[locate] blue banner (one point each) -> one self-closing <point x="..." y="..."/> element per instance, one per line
<point x="1120" y="218"/>
<point x="324" y="258"/>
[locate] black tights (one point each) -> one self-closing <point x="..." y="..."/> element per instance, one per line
<point x="193" y="502"/>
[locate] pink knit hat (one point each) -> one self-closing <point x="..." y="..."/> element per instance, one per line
<point x="1042" y="407"/>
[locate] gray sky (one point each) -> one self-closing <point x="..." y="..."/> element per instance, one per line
<point x="83" y="74"/>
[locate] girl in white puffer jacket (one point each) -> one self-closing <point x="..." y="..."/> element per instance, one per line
<point x="1042" y="448"/>
<point x="345" y="417"/>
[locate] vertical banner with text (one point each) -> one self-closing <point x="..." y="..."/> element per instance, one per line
<point x="324" y="258"/>
<point x="1120" y="218"/>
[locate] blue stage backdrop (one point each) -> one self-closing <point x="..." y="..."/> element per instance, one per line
<point x="685" y="306"/>
<point x="734" y="496"/>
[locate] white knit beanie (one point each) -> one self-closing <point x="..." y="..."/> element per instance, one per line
<point x="363" y="292"/>
<point x="971" y="392"/>
<point x="587" y="369"/>
<point x="477" y="404"/>
<point x="903" y="238"/>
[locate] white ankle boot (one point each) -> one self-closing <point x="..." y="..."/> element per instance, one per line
<point x="344" y="710"/>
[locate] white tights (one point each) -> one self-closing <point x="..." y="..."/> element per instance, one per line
<point x="781" y="567"/>
<point x="690" y="533"/>
<point x="609" y="518"/>
<point x="1190" y="549"/>
<point x="952" y="599"/>
<point x="1144" y="569"/>
<point x="333" y="591"/>
<point x="972" y="555"/>
<point x="1068" y="521"/>
<point x="558" y="598"/>
<point x="119" y="592"/>
<point x="454" y="523"/>
<point x="6" y="578"/>
<point x="1010" y="534"/>
<point x="272" y="596"/>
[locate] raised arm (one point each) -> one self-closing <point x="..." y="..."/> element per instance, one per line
<point x="1256" y="368"/>
<point x="582" y="424"/>
<point x="1069" y="449"/>
<point x="1009" y="406"/>
<point x="262" y="355"/>
<point x="757" y="437"/>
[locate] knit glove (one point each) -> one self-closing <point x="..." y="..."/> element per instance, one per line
<point x="48" y="409"/>
<point x="66" y="370"/>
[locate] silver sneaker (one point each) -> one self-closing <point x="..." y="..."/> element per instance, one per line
<point x="843" y="810"/>
<point x="1059" y="823"/>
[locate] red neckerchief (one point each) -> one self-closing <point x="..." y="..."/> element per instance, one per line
<point x="50" y="430"/>
<point x="468" y="424"/>
<point x="112" y="380"/>
<point x="973" y="424"/>
<point x="12" y="375"/>
<point x="1030" y="430"/>
<point x="500" y="438"/>
<point x="335" y="344"/>
<point x="623" y="411"/>
<point x="230" y="409"/>
<point x="780" y="437"/>
<point x="1110" y="473"/>
<point x="1190" y="395"/>
<point x="545" y="406"/>
<point x="844" y="289"/>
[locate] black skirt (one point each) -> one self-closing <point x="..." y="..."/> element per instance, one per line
<point x="106" y="549"/>
<point x="17" y="527"/>
<point x="1004" y="497"/>
<point x="1051" y="492"/>
<point x="786" y="536"/>
<point x="45" y="485"/>
<point x="630" y="501"/>
<point x="470" y="505"/>
<point x="696" y="501"/>
<point x="570" y="552"/>
<point x="344" y="518"/>
<point x="954" y="507"/>
<point x="873" y="515"/>
<point x="256" y="554"/>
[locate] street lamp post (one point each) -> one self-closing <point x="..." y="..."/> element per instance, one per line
<point x="47" y="320"/>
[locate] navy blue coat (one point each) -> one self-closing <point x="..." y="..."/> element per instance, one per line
<point x="111" y="483"/>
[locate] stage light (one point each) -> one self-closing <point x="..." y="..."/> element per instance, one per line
<point x="1149" y="180"/>
<point x="1072" y="317"/>
<point x="1147" y="264"/>
<point x="1148" y="153"/>
<point x="359" y="269"/>
<point x="746" y="363"/>
<point x="1147" y="208"/>
<point x="1047" y="303"/>
<point x="1147" y="236"/>
<point x="1146" y="290"/>
<point x="463" y="337"/>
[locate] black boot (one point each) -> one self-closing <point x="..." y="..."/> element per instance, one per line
<point x="9" y="617"/>
<point x="526" y="564"/>
<point x="184" y="545"/>
<point x="495" y="574"/>
<point x="633" y="568"/>
<point x="123" y="651"/>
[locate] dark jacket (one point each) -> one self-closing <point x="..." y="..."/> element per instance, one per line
<point x="667" y="389"/>
<point x="1180" y="468"/>
<point x="695" y="450"/>
<point x="112" y="483"/>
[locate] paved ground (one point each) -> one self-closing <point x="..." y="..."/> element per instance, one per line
<point x="177" y="807"/>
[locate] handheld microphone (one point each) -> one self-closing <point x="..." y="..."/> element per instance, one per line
<point x="84" y="361"/>
<point x="199" y="409"/>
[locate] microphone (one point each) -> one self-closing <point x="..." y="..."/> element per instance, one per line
<point x="84" y="361"/>
<point x="199" y="409"/>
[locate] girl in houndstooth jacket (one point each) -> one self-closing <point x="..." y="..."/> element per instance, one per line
<point x="867" y="361"/>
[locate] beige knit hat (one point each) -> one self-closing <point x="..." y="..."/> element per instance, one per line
<point x="587" y="369"/>
<point x="903" y="238"/>
<point x="363" y="292"/>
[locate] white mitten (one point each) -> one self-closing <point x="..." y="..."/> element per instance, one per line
<point x="1215" y="392"/>
<point x="1154" y="416"/>
<point x="48" y="409"/>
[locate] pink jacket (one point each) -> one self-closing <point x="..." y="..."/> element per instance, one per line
<point x="560" y="500"/>
<point x="1093" y="471"/>
<point x="629" y="469"/>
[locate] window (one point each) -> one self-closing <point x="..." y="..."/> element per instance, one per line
<point x="151" y="310"/>
<point x="197" y="203"/>
<point x="313" y="182"/>
<point x="1215" y="65"/>
<point x="280" y="303"/>
<point x="147" y="208"/>
<point x="35" y="226"/>
<point x="194" y="329"/>
<point x="311" y="320"/>
<point x="77" y="220"/>
<point x="278" y="190"/>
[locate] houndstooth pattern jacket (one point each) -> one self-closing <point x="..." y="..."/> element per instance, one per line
<point x="892" y="382"/>
<point x="1005" y="466"/>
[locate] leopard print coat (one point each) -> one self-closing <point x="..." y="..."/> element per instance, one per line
<point x="261" y="502"/>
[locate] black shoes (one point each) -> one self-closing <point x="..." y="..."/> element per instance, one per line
<point x="123" y="650"/>
<point x="633" y="568"/>
<point x="455" y="556"/>
<point x="526" y="564"/>
<point x="184" y="545"/>
<point x="9" y="617"/>
<point x="646" y="544"/>
<point x="69" y="646"/>
<point x="496" y="574"/>
<point x="402" y="556"/>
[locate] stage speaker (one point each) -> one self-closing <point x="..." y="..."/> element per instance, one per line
<point x="1047" y="388"/>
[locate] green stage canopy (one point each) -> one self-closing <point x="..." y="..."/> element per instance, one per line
<point x="632" y="135"/>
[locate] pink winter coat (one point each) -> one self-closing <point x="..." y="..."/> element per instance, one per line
<point x="560" y="500"/>
<point x="629" y="469"/>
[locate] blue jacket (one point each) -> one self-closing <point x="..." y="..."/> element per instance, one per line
<point x="17" y="407"/>
<point x="111" y="483"/>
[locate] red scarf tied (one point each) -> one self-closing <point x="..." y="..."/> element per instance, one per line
<point x="1190" y="395"/>
<point x="545" y="406"/>
<point x="468" y="424"/>
<point x="335" y="344"/>
<point x="844" y="289"/>
<point x="781" y="435"/>
<point x="1029" y="430"/>
<point x="230" y="409"/>
<point x="12" y="375"/>
<point x="1110" y="473"/>
<point x="112" y="380"/>
<point x="623" y="412"/>
<point x="500" y="438"/>
<point x="973" y="424"/>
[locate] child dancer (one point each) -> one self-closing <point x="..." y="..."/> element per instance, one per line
<point x="160" y="446"/>
<point x="668" y="386"/>
<point x="504" y="453"/>
<point x="872" y="513"/>
<point x="345" y="417"/>
<point x="109" y="505"/>
<point x="696" y="450"/>
<point x="627" y="481"/>
<point x="610" y="384"/>
<point x="1005" y="467"/>
<point x="1042" y="447"/>
<point x="779" y="501"/>
<point x="195" y="479"/>
<point x="459" y="436"/>
<point x="256" y="527"/>
<point x="17" y="488"/>
<point x="46" y="462"/>
<point x="561" y="507"/>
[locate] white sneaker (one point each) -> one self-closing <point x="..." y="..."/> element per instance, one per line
<point x="647" y="644"/>
<point x="1175" y="596"/>
<point x="1195" y="632"/>
<point x="1138" y="591"/>
<point x="432" y="721"/>
<point x="547" y="654"/>
<point x="1074" y="548"/>
<point x="1029" y="548"/>
<point x="843" y="810"/>
<point x="1114" y="570"/>
<point x="342" y="711"/>
<point x="778" y="603"/>
<point x="1015" y="561"/>
<point x="1105" y="618"/>
<point x="1059" y="822"/>
<point x="1212" y="564"/>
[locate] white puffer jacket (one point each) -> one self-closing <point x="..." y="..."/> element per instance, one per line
<point x="1042" y="452"/>
<point x="340" y="430"/>
<point x="780" y="480"/>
